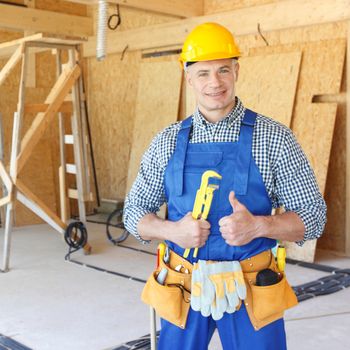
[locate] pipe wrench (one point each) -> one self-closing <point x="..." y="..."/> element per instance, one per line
<point x="202" y="203"/>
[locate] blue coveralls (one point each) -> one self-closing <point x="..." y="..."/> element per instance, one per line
<point x="234" y="162"/>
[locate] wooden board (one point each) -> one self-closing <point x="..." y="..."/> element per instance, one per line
<point x="18" y="18"/>
<point x="313" y="124"/>
<point x="216" y="6"/>
<point x="156" y="107"/>
<point x="267" y="84"/>
<point x="7" y="48"/>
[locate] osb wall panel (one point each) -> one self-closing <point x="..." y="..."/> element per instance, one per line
<point x="267" y="84"/>
<point x="334" y="234"/>
<point x="313" y="124"/>
<point x="112" y="96"/>
<point x="153" y="113"/>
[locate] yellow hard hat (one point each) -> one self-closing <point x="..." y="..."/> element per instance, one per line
<point x="208" y="41"/>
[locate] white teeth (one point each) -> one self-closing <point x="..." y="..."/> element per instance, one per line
<point x="216" y="94"/>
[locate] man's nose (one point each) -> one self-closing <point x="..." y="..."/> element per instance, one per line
<point x="215" y="80"/>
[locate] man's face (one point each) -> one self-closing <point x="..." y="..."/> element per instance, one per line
<point x="213" y="83"/>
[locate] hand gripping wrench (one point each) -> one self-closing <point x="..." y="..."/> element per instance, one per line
<point x="202" y="203"/>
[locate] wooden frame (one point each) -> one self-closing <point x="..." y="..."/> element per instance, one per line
<point x="67" y="80"/>
<point x="275" y="16"/>
<point x="29" y="19"/>
<point x="347" y="196"/>
<point x="179" y="8"/>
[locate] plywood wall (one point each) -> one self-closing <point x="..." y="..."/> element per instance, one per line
<point x="157" y="107"/>
<point x="328" y="54"/>
<point x="112" y="98"/>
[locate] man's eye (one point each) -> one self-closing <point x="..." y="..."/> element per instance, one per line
<point x="224" y="70"/>
<point x="203" y="74"/>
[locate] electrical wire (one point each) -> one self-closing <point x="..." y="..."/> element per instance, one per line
<point x="112" y="17"/>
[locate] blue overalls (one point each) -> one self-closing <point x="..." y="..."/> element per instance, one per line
<point x="234" y="162"/>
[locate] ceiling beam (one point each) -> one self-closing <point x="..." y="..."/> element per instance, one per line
<point x="177" y="8"/>
<point x="29" y="19"/>
<point x="275" y="16"/>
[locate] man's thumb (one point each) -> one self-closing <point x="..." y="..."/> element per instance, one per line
<point x="235" y="204"/>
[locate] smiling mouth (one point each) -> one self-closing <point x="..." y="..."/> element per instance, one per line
<point x="215" y="94"/>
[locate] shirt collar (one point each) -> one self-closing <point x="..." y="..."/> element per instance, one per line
<point x="235" y="115"/>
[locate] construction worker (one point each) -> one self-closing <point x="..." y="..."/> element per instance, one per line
<point x="262" y="167"/>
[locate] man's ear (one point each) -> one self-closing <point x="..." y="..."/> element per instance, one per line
<point x="188" y="78"/>
<point x="236" y="70"/>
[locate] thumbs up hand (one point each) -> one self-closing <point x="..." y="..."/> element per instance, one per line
<point x="241" y="226"/>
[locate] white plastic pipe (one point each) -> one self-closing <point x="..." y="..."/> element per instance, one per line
<point x="101" y="30"/>
<point x="153" y="330"/>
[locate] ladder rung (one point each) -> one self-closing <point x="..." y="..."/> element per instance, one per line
<point x="71" y="168"/>
<point x="72" y="193"/>
<point x="66" y="107"/>
<point x="68" y="139"/>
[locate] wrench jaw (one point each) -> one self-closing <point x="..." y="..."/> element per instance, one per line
<point x="204" y="195"/>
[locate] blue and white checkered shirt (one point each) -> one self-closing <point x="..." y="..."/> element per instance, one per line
<point x="289" y="179"/>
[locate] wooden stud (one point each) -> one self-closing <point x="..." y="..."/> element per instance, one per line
<point x="10" y="64"/>
<point x="4" y="188"/>
<point x="5" y="177"/>
<point x="347" y="201"/>
<point x="5" y="200"/>
<point x="63" y="195"/>
<point x="62" y="167"/>
<point x="19" y="18"/>
<point x="179" y="8"/>
<point x="31" y="78"/>
<point x="7" y="237"/>
<point x="78" y="144"/>
<point x="84" y="133"/>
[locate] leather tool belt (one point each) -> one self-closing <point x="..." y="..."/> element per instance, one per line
<point x="264" y="304"/>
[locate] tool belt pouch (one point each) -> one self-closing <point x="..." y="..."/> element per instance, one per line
<point x="171" y="300"/>
<point x="266" y="304"/>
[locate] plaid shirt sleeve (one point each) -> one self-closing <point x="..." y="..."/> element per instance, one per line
<point x="296" y="188"/>
<point x="147" y="193"/>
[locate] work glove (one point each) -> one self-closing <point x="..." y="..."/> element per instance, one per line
<point x="202" y="290"/>
<point x="227" y="282"/>
<point x="235" y="288"/>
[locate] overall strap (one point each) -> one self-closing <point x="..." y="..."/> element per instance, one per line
<point x="244" y="154"/>
<point x="180" y="154"/>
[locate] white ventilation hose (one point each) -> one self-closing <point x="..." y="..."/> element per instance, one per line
<point x="101" y="30"/>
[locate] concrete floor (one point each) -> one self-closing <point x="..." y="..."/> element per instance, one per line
<point x="47" y="303"/>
